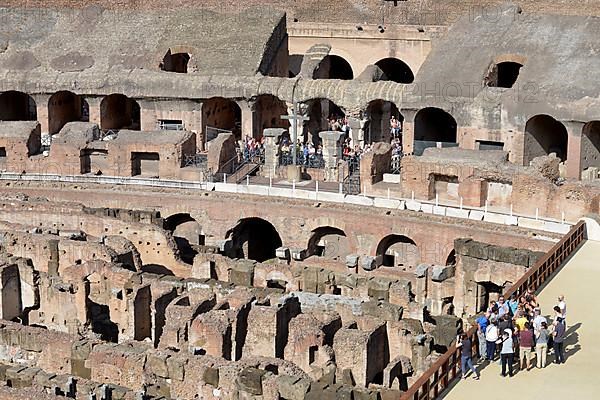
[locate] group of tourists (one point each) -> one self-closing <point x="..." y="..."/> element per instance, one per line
<point x="516" y="328"/>
<point x="251" y="148"/>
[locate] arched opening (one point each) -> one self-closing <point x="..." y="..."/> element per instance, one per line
<point x="324" y="115"/>
<point x="395" y="70"/>
<point x="435" y="125"/>
<point x="544" y="135"/>
<point x="118" y="111"/>
<point x="590" y="145"/>
<point x="328" y="242"/>
<point x="379" y="114"/>
<point x="142" y="314"/>
<point x="187" y="233"/>
<point x="64" y="107"/>
<point x="451" y="259"/>
<point x="175" y="62"/>
<point x="255" y="239"/>
<point x="398" y="251"/>
<point x="17" y="106"/>
<point x="295" y="64"/>
<point x="503" y="74"/>
<point x="269" y="110"/>
<point x="333" y="67"/>
<point x="220" y="114"/>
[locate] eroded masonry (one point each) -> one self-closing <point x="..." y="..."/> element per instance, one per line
<point x="435" y="173"/>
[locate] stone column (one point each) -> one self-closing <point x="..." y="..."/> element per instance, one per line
<point x="247" y="118"/>
<point x="41" y="102"/>
<point x="332" y="153"/>
<point x="271" y="136"/>
<point x="408" y="132"/>
<point x="574" y="153"/>
<point x="94" y="109"/>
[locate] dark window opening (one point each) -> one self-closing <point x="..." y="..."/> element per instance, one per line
<point x="177" y="62"/>
<point x="312" y="354"/>
<point x="503" y="74"/>
<point x="489" y="145"/>
<point x="2" y="152"/>
<point x="333" y="67"/>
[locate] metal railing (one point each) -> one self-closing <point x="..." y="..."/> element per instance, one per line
<point x="198" y="160"/>
<point x="395" y="164"/>
<point x="446" y="369"/>
<point x="310" y="161"/>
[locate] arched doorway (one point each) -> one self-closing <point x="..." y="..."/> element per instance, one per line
<point x="187" y="233"/>
<point x="333" y="67"/>
<point x="398" y="251"/>
<point x="395" y="70"/>
<point x="503" y="74"/>
<point x="17" y="106"/>
<point x="175" y="62"/>
<point x="451" y="259"/>
<point x="255" y="239"/>
<point x="268" y="112"/>
<point x="219" y="114"/>
<point x="544" y="135"/>
<point x="379" y="114"/>
<point x="590" y="145"/>
<point x="435" y="125"/>
<point x="295" y="63"/>
<point x="328" y="242"/>
<point x="63" y="107"/>
<point x="118" y="111"/>
<point x="321" y="112"/>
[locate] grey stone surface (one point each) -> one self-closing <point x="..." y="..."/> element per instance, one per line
<point x="441" y="273"/>
<point x="421" y="270"/>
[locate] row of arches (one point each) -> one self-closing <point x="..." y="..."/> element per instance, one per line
<point x="543" y="133"/>
<point x="257" y="239"/>
<point x="117" y="111"/>
<point x="336" y="67"/>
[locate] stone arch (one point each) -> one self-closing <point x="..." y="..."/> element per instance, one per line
<point x="328" y="242"/>
<point x="17" y="106"/>
<point x="504" y="71"/>
<point x="398" y="250"/>
<point x="255" y="239"/>
<point x="268" y="112"/>
<point x="187" y="233"/>
<point x="175" y="61"/>
<point x="435" y="125"/>
<point x="379" y="114"/>
<point x="221" y="114"/>
<point x="64" y="107"/>
<point x="395" y="70"/>
<point x="333" y="67"/>
<point x="590" y="145"/>
<point x="118" y="111"/>
<point x="544" y="135"/>
<point x="451" y="259"/>
<point x="320" y="111"/>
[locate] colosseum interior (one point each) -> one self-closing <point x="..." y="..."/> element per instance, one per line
<point x="144" y="255"/>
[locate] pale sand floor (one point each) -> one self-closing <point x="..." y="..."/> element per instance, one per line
<point x="579" y="377"/>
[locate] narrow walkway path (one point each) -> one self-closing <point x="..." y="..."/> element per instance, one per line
<point x="577" y="379"/>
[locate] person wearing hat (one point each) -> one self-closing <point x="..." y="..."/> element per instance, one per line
<point x="507" y="352"/>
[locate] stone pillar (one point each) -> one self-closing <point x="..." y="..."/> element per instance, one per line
<point x="41" y="102"/>
<point x="408" y="132"/>
<point x="574" y="153"/>
<point x="271" y="136"/>
<point x="94" y="109"/>
<point x="332" y="153"/>
<point x="247" y="118"/>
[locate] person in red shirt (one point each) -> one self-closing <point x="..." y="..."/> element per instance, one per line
<point x="526" y="342"/>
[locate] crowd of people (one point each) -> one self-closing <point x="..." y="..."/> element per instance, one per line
<point x="515" y="329"/>
<point x="251" y="148"/>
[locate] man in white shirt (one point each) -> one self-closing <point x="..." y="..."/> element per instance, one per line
<point x="538" y="319"/>
<point x="563" y="307"/>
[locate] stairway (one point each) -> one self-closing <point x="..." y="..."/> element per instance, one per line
<point x="244" y="170"/>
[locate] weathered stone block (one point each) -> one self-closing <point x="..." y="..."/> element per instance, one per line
<point x="242" y="274"/>
<point x="352" y="261"/>
<point x="292" y="388"/>
<point x="211" y="376"/>
<point x="421" y="270"/>
<point x="441" y="273"/>
<point x="250" y="381"/>
<point x="282" y="253"/>
<point x="368" y="263"/>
